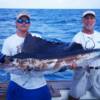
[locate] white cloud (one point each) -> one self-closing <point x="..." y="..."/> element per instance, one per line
<point x="50" y="4"/>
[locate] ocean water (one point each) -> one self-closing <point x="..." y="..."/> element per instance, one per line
<point x="52" y="24"/>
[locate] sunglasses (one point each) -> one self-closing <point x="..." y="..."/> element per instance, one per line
<point x="27" y="21"/>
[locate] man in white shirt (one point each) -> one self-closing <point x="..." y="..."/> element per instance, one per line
<point x="24" y="86"/>
<point x="88" y="38"/>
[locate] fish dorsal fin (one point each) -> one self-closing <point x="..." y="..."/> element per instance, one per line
<point x="32" y="44"/>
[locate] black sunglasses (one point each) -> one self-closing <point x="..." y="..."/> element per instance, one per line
<point x="27" y="21"/>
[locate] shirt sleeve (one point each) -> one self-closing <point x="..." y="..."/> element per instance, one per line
<point x="77" y="38"/>
<point x="6" y="49"/>
<point x="37" y="35"/>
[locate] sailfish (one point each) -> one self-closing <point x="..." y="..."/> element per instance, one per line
<point x="39" y="55"/>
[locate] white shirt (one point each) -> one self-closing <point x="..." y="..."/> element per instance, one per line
<point x="12" y="45"/>
<point x="91" y="41"/>
<point x="88" y="41"/>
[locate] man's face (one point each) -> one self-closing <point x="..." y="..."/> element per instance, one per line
<point x="89" y="22"/>
<point x="23" y="23"/>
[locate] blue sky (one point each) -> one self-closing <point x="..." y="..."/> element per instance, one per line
<point x="87" y="4"/>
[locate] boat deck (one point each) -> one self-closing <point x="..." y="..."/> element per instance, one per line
<point x="3" y="89"/>
<point x="59" y="90"/>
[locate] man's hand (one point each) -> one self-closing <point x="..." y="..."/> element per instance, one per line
<point x="5" y="59"/>
<point x="73" y="65"/>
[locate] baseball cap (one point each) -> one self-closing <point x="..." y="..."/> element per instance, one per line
<point x="89" y="12"/>
<point x="22" y="14"/>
